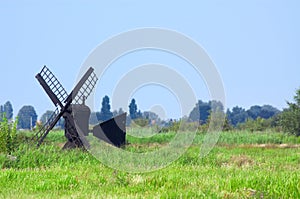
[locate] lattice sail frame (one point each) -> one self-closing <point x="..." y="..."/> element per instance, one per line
<point x="86" y="89"/>
<point x="46" y="125"/>
<point x="54" y="84"/>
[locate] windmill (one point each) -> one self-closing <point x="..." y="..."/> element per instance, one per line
<point x="76" y="114"/>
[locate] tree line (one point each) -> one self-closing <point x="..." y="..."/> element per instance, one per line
<point x="255" y="118"/>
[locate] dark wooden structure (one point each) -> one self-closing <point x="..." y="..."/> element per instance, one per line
<point x="76" y="114"/>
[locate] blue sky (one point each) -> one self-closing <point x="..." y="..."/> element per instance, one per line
<point x="253" y="43"/>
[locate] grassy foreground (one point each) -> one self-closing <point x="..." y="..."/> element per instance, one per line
<point x="242" y="165"/>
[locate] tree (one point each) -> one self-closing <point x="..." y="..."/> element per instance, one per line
<point x="133" y="109"/>
<point x="227" y="125"/>
<point x="120" y="111"/>
<point x="216" y="106"/>
<point x="268" y="111"/>
<point x="105" y="113"/>
<point x="259" y="124"/>
<point x="94" y="118"/>
<point x="200" y="112"/>
<point x="265" y="112"/>
<point x="1" y="113"/>
<point x="254" y="112"/>
<point x="8" y="109"/>
<point x="237" y="115"/>
<point x="150" y="115"/>
<point x="27" y="117"/>
<point x="216" y="120"/>
<point x="47" y="115"/>
<point x="115" y="113"/>
<point x="139" y="114"/>
<point x="290" y="117"/>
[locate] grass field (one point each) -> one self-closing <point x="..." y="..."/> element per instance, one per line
<point x="241" y="165"/>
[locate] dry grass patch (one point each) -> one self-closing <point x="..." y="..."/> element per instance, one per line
<point x="270" y="146"/>
<point x="241" y="160"/>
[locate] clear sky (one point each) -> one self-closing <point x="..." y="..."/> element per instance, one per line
<point x="254" y="44"/>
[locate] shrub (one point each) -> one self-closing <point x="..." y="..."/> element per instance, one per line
<point x="259" y="124"/>
<point x="140" y="122"/>
<point x="290" y="117"/>
<point x="8" y="136"/>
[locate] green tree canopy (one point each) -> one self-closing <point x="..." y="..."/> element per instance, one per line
<point x="1" y="113"/>
<point x="237" y="115"/>
<point x="254" y="112"/>
<point x="94" y="118"/>
<point x="265" y="112"/>
<point x="47" y="115"/>
<point x="133" y="111"/>
<point x="105" y="113"/>
<point x="27" y="117"/>
<point x="290" y="117"/>
<point x="119" y="112"/>
<point x="150" y="115"/>
<point x="201" y="111"/>
<point x="8" y="109"/>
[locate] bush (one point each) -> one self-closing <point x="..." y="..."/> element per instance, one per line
<point x="259" y="124"/>
<point x="8" y="136"/>
<point x="139" y="122"/>
<point x="290" y="117"/>
<point x="290" y="121"/>
<point x="180" y="125"/>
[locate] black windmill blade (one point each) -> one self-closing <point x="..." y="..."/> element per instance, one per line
<point x="83" y="88"/>
<point x="52" y="86"/>
<point x="47" y="126"/>
<point x="57" y="94"/>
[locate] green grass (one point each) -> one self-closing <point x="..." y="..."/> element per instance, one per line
<point x="235" y="168"/>
<point x="247" y="137"/>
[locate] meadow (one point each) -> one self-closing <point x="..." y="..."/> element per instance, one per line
<point x="242" y="165"/>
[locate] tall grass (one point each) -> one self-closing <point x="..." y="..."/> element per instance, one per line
<point x="224" y="173"/>
<point x="227" y="172"/>
<point x="267" y="137"/>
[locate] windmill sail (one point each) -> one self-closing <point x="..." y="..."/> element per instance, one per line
<point x="52" y="86"/>
<point x="50" y="123"/>
<point x="83" y="88"/>
<point x="86" y="89"/>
